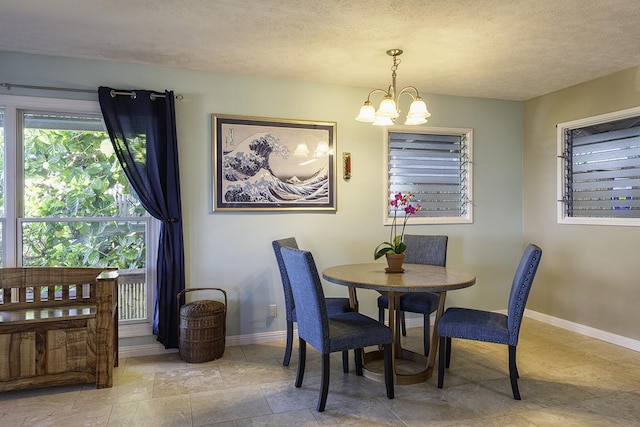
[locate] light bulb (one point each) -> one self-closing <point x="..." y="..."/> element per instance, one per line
<point x="418" y="107"/>
<point x="383" y="121"/>
<point x="414" y="121"/>
<point x="387" y="108"/>
<point x="367" y="113"/>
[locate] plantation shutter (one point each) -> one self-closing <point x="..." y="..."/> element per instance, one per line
<point x="434" y="168"/>
<point x="603" y="170"/>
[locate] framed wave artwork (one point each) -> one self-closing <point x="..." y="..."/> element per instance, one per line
<point x="266" y="164"/>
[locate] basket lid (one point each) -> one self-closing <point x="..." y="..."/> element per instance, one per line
<point x="201" y="308"/>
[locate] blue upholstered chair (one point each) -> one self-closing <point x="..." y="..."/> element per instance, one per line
<point x="334" y="305"/>
<point x="479" y="325"/>
<point x="431" y="250"/>
<point x="326" y="334"/>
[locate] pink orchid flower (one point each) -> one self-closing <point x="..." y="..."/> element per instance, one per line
<point x="395" y="243"/>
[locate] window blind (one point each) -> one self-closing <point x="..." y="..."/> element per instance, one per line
<point x="434" y="168"/>
<point x="85" y="122"/>
<point x="602" y="176"/>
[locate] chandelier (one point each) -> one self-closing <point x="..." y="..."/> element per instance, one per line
<point x="388" y="110"/>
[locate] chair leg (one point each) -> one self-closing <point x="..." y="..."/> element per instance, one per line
<point x="513" y="372"/>
<point x="427" y="334"/>
<point x="324" y="383"/>
<point x="442" y="355"/>
<point x="345" y="361"/>
<point x="289" y="345"/>
<point x="388" y="370"/>
<point x="448" y="356"/>
<point x="302" y="360"/>
<point x="380" y="319"/>
<point x="358" y="356"/>
<point x="403" y="324"/>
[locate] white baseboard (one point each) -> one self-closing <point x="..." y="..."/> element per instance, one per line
<point x="125" y="351"/>
<point x="234" y="340"/>
<point x="416" y="322"/>
<point x="585" y="330"/>
<point x="259" y="338"/>
<point x="143" y="350"/>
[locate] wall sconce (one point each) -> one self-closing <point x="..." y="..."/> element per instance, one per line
<point x="346" y="165"/>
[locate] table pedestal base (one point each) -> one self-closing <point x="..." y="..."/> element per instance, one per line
<point x="409" y="367"/>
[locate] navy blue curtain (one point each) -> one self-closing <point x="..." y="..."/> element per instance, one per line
<point x="142" y="128"/>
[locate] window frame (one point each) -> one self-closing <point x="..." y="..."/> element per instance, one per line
<point x="467" y="218"/>
<point x="561" y="170"/>
<point x="11" y="222"/>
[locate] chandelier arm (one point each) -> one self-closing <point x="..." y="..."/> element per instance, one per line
<point x="407" y="89"/>
<point x="375" y="91"/>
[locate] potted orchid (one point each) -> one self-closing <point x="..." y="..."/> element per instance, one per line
<point x="396" y="245"/>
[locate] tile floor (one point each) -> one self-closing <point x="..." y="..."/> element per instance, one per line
<point x="566" y="379"/>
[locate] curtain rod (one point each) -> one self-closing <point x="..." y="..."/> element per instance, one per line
<point x="113" y="93"/>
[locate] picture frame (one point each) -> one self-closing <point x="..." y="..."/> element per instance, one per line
<point x="270" y="164"/>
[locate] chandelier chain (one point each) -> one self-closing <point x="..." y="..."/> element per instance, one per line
<point x="396" y="63"/>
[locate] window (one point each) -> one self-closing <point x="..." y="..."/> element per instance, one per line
<point x="2" y="189"/>
<point x="599" y="169"/>
<point x="65" y="201"/>
<point x="435" y="164"/>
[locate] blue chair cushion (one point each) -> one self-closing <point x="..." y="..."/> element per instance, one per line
<point x="355" y="330"/>
<point x="337" y="305"/>
<point x="423" y="302"/>
<point x="334" y="306"/>
<point x="414" y="302"/>
<point x="479" y="325"/>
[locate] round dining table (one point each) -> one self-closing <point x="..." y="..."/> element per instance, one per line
<point x="408" y="367"/>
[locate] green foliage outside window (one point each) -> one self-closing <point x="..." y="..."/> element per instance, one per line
<point x="78" y="205"/>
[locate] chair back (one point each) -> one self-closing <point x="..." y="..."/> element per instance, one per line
<point x="313" y="321"/>
<point x="520" y="288"/>
<point x="430" y="250"/>
<point x="289" y="302"/>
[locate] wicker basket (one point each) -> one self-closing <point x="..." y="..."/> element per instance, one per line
<point x="201" y="334"/>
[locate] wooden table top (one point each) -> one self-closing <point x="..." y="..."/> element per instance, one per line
<point x="416" y="277"/>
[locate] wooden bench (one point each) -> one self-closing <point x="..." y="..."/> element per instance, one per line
<point x="58" y="325"/>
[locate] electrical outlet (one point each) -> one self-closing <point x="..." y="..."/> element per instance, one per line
<point x="273" y="310"/>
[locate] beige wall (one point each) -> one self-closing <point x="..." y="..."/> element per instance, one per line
<point x="589" y="274"/>
<point x="233" y="250"/>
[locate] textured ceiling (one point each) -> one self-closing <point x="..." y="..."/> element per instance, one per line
<point x="505" y="49"/>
